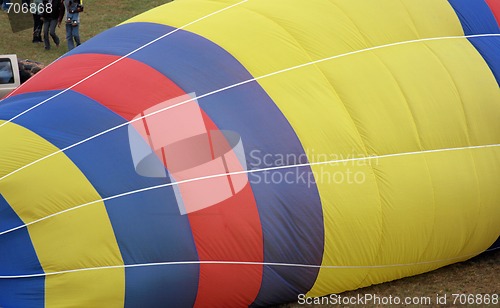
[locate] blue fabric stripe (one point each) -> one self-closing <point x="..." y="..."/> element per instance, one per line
<point x="160" y="281"/>
<point x="18" y="257"/>
<point x="147" y="226"/>
<point x="475" y="16"/>
<point x="489" y="48"/>
<point x="291" y="214"/>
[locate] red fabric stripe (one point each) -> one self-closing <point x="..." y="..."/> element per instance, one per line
<point x="232" y="231"/>
<point x="127" y="97"/>
<point x="228" y="231"/>
<point x="495" y="8"/>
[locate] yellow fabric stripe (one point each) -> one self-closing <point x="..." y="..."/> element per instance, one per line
<point x="74" y="240"/>
<point x="427" y="95"/>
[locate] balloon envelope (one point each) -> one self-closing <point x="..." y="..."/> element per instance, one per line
<point x="223" y="153"/>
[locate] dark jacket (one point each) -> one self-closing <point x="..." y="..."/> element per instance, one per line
<point x="57" y="10"/>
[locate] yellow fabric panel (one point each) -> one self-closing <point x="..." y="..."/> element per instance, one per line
<point x="479" y="99"/>
<point x="97" y="288"/>
<point x="78" y="239"/>
<point x="397" y="99"/>
<point x="487" y="166"/>
<point x="402" y="72"/>
<point x="436" y="111"/>
<point x="180" y="13"/>
<point x="372" y="95"/>
<point x="432" y="18"/>
<point x="394" y="115"/>
<point x="460" y="227"/>
<point x="389" y="21"/>
<point x="430" y="92"/>
<point x="353" y="242"/>
<point x="441" y="122"/>
<point x="408" y="215"/>
<point x="455" y="208"/>
<point x="338" y="35"/>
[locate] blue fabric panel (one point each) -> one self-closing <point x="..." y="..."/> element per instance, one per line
<point x="197" y="65"/>
<point x="475" y="16"/>
<point x="22" y="292"/>
<point x="148" y="226"/>
<point x="159" y="280"/>
<point x="18" y="257"/>
<point x="489" y="48"/>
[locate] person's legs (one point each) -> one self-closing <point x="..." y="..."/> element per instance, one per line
<point x="76" y="35"/>
<point x="53" y="24"/>
<point x="46" y="40"/>
<point x="69" y="36"/>
<point x="40" y="26"/>
<point x="37" y="28"/>
<point x="34" y="28"/>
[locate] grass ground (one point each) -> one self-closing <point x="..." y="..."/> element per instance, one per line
<point x="99" y="15"/>
<point x="478" y="275"/>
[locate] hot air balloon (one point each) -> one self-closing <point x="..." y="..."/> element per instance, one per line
<point x="236" y="153"/>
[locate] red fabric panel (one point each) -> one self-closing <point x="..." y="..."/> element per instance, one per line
<point x="125" y="96"/>
<point x="228" y="231"/>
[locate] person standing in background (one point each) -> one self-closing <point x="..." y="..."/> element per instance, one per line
<point x="52" y="16"/>
<point x="72" y="23"/>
